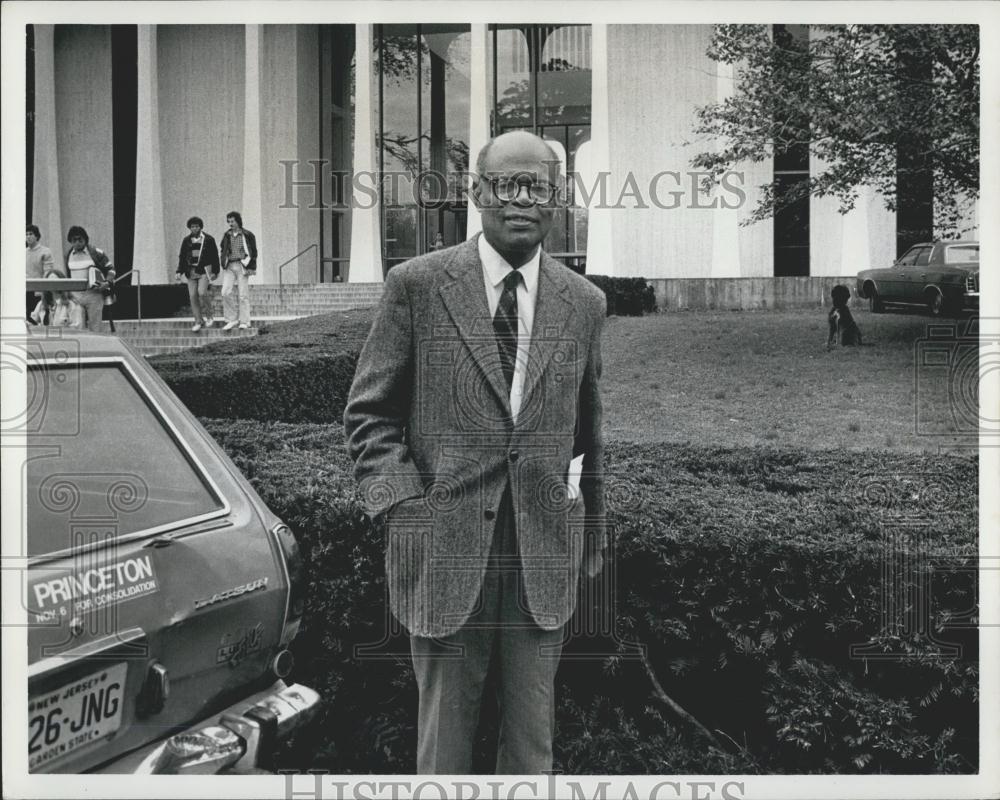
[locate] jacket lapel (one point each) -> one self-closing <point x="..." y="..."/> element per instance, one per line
<point x="465" y="299"/>
<point x="553" y="308"/>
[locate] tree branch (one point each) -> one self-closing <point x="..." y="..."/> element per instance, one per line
<point x="676" y="711"/>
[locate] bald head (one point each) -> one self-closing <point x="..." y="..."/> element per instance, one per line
<point x="514" y="223"/>
<point x="521" y="144"/>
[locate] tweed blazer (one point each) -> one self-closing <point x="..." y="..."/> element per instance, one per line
<point x="428" y="424"/>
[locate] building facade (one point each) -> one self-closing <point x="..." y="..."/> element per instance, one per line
<point x="347" y="147"/>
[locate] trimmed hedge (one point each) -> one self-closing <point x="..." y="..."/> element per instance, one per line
<point x="309" y="388"/>
<point x="747" y="574"/>
<point x="627" y="297"/>
<point x="297" y="371"/>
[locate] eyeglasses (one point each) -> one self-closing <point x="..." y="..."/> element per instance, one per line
<point x="507" y="190"/>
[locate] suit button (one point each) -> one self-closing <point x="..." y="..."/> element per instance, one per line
<point x="513" y="455"/>
<point x="489" y="513"/>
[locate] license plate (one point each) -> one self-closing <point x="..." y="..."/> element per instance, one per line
<point x="80" y="712"/>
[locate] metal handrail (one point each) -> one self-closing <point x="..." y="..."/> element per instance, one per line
<point x="281" y="284"/>
<point x="138" y="289"/>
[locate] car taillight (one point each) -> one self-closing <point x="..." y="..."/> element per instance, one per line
<point x="294" y="567"/>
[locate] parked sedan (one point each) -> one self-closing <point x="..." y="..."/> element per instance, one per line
<point x="162" y="593"/>
<point x="942" y="276"/>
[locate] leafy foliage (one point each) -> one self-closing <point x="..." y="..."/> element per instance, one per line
<point x="627" y="297"/>
<point x="825" y="723"/>
<point x="863" y="99"/>
<point x="748" y="574"/>
<point x="299" y="371"/>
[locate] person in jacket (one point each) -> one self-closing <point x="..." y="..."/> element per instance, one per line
<point x="198" y="263"/>
<point x="239" y="262"/>
<point x="86" y="262"/>
<point x="475" y="396"/>
<point x="38" y="264"/>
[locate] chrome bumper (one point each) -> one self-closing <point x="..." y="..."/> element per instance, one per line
<point x="232" y="741"/>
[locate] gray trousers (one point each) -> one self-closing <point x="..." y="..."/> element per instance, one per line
<point x="234" y="275"/>
<point x="87" y="310"/>
<point x="451" y="673"/>
<point x="201" y="300"/>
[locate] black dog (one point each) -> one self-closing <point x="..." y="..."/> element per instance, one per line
<point x="843" y="329"/>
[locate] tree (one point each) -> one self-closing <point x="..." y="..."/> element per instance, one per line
<point x="875" y="104"/>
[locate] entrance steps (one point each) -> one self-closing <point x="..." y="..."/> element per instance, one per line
<point x="155" y="336"/>
<point x="268" y="303"/>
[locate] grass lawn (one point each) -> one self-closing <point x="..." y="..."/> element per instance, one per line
<point x="766" y="378"/>
<point x="737" y="379"/>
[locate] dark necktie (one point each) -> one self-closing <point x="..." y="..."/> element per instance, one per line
<point x="505" y="325"/>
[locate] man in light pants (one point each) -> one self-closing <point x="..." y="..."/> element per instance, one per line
<point x="239" y="261"/>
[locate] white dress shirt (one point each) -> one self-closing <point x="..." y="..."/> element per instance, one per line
<point x="495" y="269"/>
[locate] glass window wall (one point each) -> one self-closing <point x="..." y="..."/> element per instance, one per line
<point x="542" y="84"/>
<point x="423" y="136"/>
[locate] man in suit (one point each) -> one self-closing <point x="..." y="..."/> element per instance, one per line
<point x="476" y="389"/>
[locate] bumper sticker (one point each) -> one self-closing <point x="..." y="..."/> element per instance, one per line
<point x="87" y="589"/>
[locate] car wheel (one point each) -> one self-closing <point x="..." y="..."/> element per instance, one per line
<point x="935" y="302"/>
<point x="875" y="301"/>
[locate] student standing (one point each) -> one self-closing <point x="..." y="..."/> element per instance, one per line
<point x="84" y="261"/>
<point x="38" y="264"/>
<point x="198" y="263"/>
<point x="239" y="260"/>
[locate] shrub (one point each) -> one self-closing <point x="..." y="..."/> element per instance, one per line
<point x="747" y="574"/>
<point x="298" y="371"/>
<point x="627" y="297"/>
<point x="308" y="388"/>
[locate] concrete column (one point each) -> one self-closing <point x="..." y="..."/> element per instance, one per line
<point x="150" y="257"/>
<point x="480" y="99"/>
<point x="278" y="229"/>
<point x="725" y="221"/>
<point x="45" y="185"/>
<point x="252" y="206"/>
<point x="855" y="252"/>
<point x="600" y="249"/>
<point x="366" y="230"/>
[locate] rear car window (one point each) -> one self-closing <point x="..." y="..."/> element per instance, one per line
<point x="961" y="254"/>
<point x="123" y="471"/>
